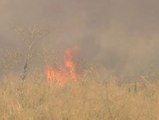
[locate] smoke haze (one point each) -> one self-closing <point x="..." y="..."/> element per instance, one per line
<point x="121" y="35"/>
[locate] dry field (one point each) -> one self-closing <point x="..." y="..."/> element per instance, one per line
<point x="87" y="99"/>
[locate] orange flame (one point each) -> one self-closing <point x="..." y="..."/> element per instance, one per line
<point x="61" y="77"/>
<point x="69" y="63"/>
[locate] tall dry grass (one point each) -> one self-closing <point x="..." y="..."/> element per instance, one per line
<point x="87" y="99"/>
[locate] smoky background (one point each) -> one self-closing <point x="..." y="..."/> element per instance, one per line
<point x="118" y="35"/>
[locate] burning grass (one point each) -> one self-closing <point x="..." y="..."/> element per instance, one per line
<point x="69" y="72"/>
<point x="63" y="94"/>
<point x="87" y="99"/>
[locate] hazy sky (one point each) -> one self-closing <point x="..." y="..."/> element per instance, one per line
<point x="134" y="15"/>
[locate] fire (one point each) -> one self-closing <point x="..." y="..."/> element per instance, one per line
<point x="69" y="72"/>
<point x="69" y="63"/>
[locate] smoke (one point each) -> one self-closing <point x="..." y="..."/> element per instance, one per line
<point x="120" y="35"/>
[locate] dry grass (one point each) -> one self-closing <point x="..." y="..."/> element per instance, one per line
<point x="84" y="100"/>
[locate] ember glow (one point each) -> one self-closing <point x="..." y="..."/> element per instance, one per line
<point x="69" y="72"/>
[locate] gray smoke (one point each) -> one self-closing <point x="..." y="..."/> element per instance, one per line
<point x="120" y="35"/>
